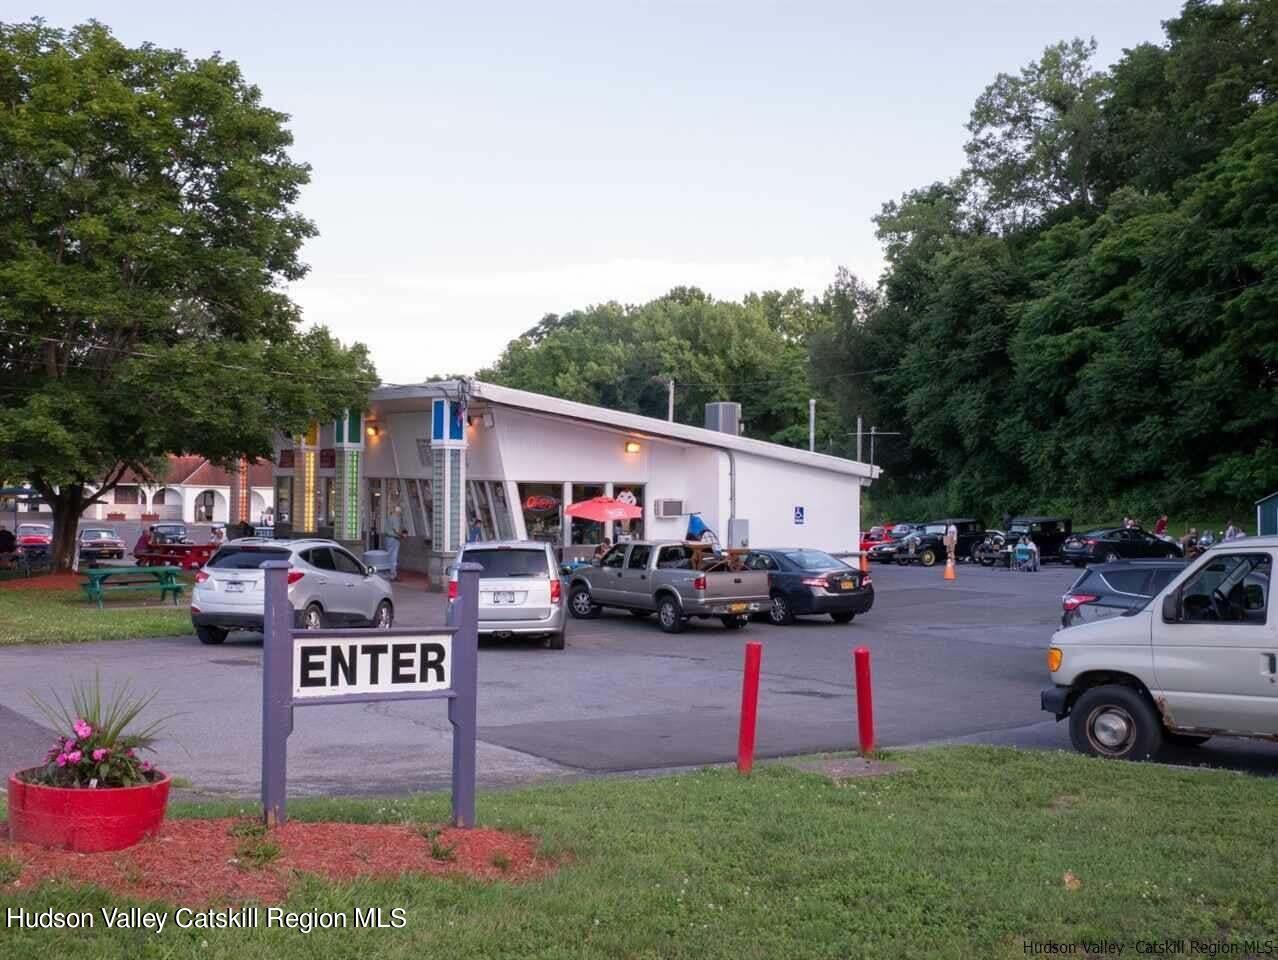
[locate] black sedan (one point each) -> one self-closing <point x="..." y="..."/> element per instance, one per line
<point x="1113" y="589"/>
<point x="809" y="582"/>
<point x="1118" y="543"/>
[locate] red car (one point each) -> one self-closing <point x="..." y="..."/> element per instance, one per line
<point x="34" y="535"/>
<point x="874" y="536"/>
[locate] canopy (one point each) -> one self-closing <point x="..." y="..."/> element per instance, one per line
<point x="603" y="509"/>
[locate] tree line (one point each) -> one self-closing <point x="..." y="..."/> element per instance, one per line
<point x="1085" y="318"/>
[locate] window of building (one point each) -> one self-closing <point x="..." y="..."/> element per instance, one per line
<point x="501" y="511"/>
<point x="627" y="529"/>
<point x="420" y="506"/>
<point x="329" y="513"/>
<point x="587" y="531"/>
<point x="284" y="499"/>
<point x="543" y="511"/>
<point x="157" y="499"/>
<point x="126" y="495"/>
<point x="480" y="523"/>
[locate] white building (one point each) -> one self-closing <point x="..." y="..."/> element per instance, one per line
<point x="192" y="489"/>
<point x="466" y="459"/>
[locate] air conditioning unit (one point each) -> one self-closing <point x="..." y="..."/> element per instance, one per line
<point x="668" y="509"/>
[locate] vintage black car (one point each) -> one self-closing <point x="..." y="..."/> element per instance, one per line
<point x="1048" y="533"/>
<point x="1108" y="544"/>
<point x="887" y="551"/>
<point x="990" y="550"/>
<point x="927" y="546"/>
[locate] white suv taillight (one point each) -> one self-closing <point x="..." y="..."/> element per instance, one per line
<point x="201" y="577"/>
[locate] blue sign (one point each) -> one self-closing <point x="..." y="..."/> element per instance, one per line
<point x="798" y="516"/>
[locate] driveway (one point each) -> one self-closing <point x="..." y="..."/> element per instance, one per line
<point x="952" y="662"/>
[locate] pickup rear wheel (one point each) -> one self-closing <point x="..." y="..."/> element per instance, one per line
<point x="669" y="614"/>
<point x="1115" y="722"/>
<point x="581" y="606"/>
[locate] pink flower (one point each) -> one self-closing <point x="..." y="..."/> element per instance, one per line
<point x="74" y="756"/>
<point x="146" y="766"/>
<point x="62" y="760"/>
<point x="130" y="752"/>
<point x="68" y="745"/>
<point x="82" y="729"/>
<point x="100" y="754"/>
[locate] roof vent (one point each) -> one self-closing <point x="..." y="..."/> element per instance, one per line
<point x="724" y="416"/>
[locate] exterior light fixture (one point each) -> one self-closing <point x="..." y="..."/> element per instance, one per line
<point x="373" y="430"/>
<point x="632" y="446"/>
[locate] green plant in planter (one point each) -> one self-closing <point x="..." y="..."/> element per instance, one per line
<point x="99" y="749"/>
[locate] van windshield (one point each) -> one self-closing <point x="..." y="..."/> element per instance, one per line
<point x="510" y="563"/>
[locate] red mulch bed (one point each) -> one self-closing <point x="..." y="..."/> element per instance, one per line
<point x="194" y="862"/>
<point x="45" y="581"/>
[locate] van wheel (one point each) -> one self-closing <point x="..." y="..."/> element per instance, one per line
<point x="581" y="606"/>
<point x="928" y="558"/>
<point x="555" y="641"/>
<point x="779" y="612"/>
<point x="670" y="615"/>
<point x="1116" y="722"/>
<point x="210" y="636"/>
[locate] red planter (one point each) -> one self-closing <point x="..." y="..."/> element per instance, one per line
<point x="85" y="820"/>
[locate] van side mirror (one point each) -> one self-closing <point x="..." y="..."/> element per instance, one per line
<point x="1171" y="608"/>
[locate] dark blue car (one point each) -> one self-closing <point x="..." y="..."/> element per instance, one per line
<point x="805" y="582"/>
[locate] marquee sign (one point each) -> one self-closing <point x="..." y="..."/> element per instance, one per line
<point x="303" y="668"/>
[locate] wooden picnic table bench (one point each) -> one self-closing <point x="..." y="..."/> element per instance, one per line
<point x="104" y="580"/>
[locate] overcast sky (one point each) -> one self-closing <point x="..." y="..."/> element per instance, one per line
<point x="479" y="165"/>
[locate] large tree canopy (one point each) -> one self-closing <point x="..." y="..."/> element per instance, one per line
<point x="147" y="231"/>
<point x="1085" y="318"/>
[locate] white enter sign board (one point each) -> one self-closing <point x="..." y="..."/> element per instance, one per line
<point x="337" y="667"/>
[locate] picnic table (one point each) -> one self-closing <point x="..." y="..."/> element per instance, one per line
<point x="104" y="580"/>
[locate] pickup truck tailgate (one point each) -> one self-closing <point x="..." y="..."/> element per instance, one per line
<point x="739" y="585"/>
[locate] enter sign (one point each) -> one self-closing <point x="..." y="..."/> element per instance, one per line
<point x="340" y="666"/>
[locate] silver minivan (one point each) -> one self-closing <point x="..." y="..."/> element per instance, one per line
<point x="520" y="593"/>
<point x="1199" y="660"/>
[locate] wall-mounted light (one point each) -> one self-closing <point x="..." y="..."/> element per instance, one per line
<point x="632" y="446"/>
<point x="372" y="429"/>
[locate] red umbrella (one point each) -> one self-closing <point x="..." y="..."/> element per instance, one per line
<point x="603" y="509"/>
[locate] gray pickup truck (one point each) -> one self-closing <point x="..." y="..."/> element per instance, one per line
<point x="676" y="580"/>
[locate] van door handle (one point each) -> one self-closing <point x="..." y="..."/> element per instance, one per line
<point x="643" y="576"/>
<point x="736" y="579"/>
<point x="1272" y="660"/>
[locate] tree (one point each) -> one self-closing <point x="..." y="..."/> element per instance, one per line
<point x="147" y="230"/>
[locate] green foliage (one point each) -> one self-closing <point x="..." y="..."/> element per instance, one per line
<point x="147" y="230"/>
<point x="254" y="848"/>
<point x="97" y="745"/>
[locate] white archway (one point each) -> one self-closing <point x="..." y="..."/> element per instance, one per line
<point x="257" y="506"/>
<point x="210" y="506"/>
<point x="167" y="502"/>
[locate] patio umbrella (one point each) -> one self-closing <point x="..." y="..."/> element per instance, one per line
<point x="603" y="509"/>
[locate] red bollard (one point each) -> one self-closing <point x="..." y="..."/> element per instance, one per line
<point x="749" y="706"/>
<point x="864" y="700"/>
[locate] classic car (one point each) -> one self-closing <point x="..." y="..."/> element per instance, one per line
<point x="1048" y="533"/>
<point x="100" y="543"/>
<point x="927" y="546"/>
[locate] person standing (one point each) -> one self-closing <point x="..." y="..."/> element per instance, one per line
<point x="395" y="531"/>
<point x="951" y="542"/>
<point x="1160" y="526"/>
<point x="1232" y="532"/>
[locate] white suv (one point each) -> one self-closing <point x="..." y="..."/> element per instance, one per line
<point x="327" y="587"/>
<point x="520" y="592"/>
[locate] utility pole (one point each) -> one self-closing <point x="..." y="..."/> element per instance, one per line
<point x="812" y="424"/>
<point x="670" y="400"/>
<point x="873" y="431"/>
<point x="858" y="440"/>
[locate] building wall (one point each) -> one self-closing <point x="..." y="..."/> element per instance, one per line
<point x="768" y="492"/>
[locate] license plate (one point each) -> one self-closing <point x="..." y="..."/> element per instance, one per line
<point x="503" y="596"/>
<point x="235" y="586"/>
<point x="847" y="585"/>
<point x="738" y="607"/>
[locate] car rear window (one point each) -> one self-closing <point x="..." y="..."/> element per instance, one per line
<point x="1128" y="581"/>
<point x="510" y="563"/>
<point x="1161" y="578"/>
<point x="245" y="558"/>
<point x="98" y="535"/>
<point x="813" y="560"/>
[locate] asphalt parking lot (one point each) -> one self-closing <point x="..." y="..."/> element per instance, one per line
<point x="952" y="662"/>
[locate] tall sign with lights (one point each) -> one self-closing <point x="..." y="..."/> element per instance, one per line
<point x="307" y="450"/>
<point x="348" y="439"/>
<point x="240" y="492"/>
<point x="448" y="473"/>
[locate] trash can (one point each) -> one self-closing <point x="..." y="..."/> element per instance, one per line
<point x="379" y="560"/>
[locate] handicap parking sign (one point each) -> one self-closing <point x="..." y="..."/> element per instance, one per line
<point x="798" y="516"/>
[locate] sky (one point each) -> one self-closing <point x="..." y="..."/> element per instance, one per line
<point x="478" y="165"/>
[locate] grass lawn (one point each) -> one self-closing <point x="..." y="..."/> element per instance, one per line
<point x="965" y="856"/>
<point x="64" y="616"/>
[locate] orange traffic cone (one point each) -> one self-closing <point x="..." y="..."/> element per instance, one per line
<point x="949" y="570"/>
<point x="865" y="563"/>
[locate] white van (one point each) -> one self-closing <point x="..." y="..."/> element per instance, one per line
<point x="1199" y="660"/>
